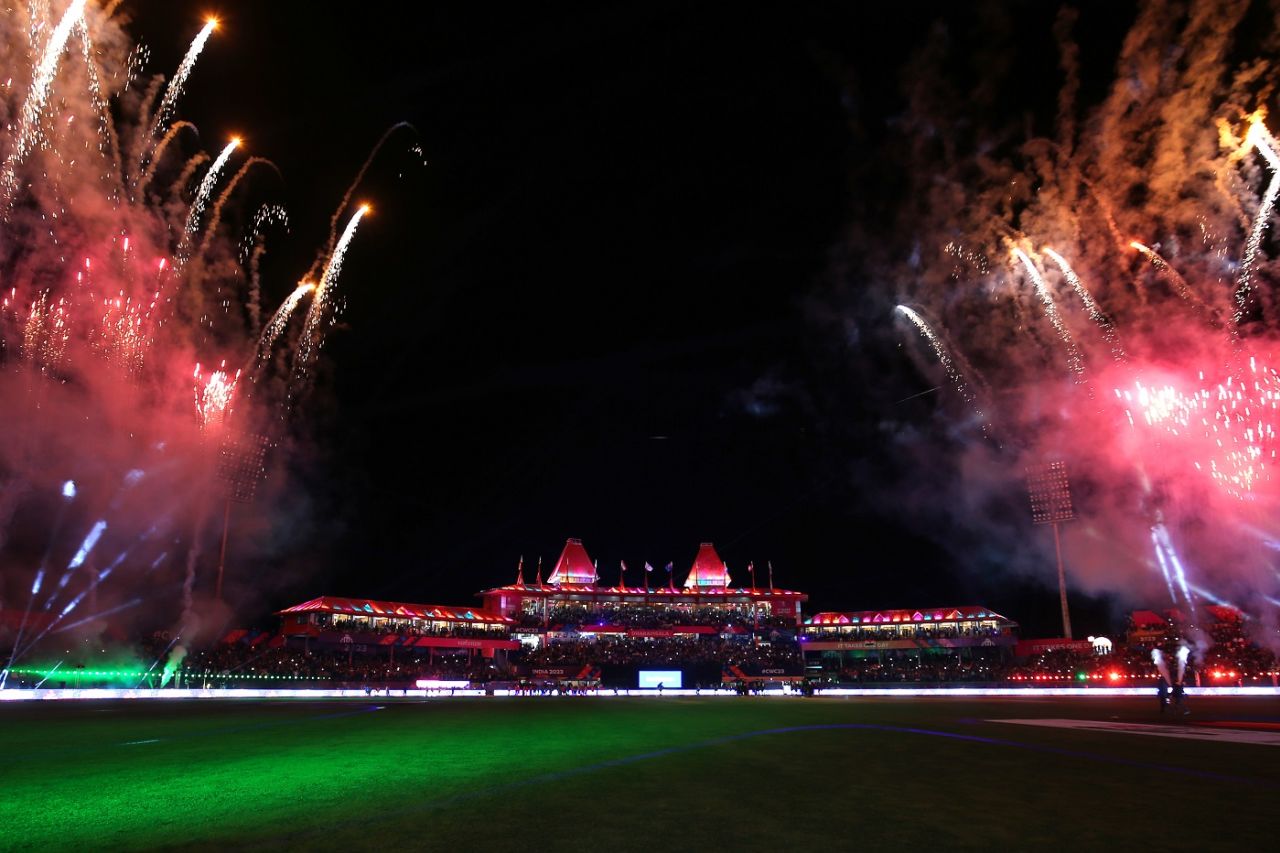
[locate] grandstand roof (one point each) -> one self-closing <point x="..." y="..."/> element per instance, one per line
<point x="1147" y="619"/>
<point x="1223" y="613"/>
<point x="708" y="569"/>
<point x="654" y="592"/>
<point x="880" y="617"/>
<point x="574" y="565"/>
<point x="369" y="607"/>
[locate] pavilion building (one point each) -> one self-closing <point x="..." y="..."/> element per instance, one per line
<point x="829" y="641"/>
<point x="364" y="625"/>
<point x="572" y="599"/>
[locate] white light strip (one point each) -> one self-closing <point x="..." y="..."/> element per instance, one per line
<point x="102" y="693"/>
<point x="1033" y="692"/>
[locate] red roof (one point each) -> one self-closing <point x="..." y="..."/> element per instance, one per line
<point x="881" y="617"/>
<point x="652" y="592"/>
<point x="574" y="566"/>
<point x="1147" y="619"/>
<point x="369" y="607"/>
<point x="1224" y="614"/>
<point x="708" y="569"/>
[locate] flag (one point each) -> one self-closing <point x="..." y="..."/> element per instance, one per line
<point x="670" y="566"/>
<point x="648" y="567"/>
<point x="623" y="563"/>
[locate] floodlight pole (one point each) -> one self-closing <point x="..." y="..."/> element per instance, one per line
<point x="1062" y="583"/>
<point x="222" y="552"/>
<point x="1050" y="494"/>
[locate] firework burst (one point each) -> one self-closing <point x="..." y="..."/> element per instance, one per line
<point x="1160" y="218"/>
<point x="115" y="283"/>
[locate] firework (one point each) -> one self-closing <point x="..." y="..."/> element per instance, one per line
<point x="1176" y="427"/>
<point x="28" y="129"/>
<point x="1169" y="274"/>
<point x="1075" y="363"/>
<point x="944" y="356"/>
<point x="1260" y="138"/>
<point x="1095" y="313"/>
<point x="311" y="331"/>
<point x="207" y="183"/>
<point x="174" y="90"/>
<point x="1229" y="427"/>
<point x="213" y="395"/>
<point x="276" y="325"/>
<point x="111" y="265"/>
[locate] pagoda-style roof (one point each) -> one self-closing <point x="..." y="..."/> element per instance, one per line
<point x="574" y="565"/>
<point x="655" y="594"/>
<point x="880" y="617"/>
<point x="396" y="609"/>
<point x="708" y="569"/>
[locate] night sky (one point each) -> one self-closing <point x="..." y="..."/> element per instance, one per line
<point x="604" y="308"/>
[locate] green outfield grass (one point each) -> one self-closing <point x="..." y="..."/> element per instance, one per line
<point x="612" y="775"/>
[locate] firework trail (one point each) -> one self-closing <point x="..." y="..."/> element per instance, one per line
<point x="332" y="243"/>
<point x="279" y="320"/>
<point x="28" y="130"/>
<point x="1258" y="137"/>
<point x="1075" y="363"/>
<point x="174" y="90"/>
<point x="1182" y="457"/>
<point x="254" y="247"/>
<point x="203" y="194"/>
<point x="944" y="357"/>
<point x="107" y="144"/>
<point x="1095" y="313"/>
<point x="311" y="331"/>
<point x="101" y="320"/>
<point x="149" y="172"/>
<point x="1169" y="274"/>
<point x="215" y="217"/>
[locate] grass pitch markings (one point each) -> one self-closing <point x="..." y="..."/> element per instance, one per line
<point x="1256" y="738"/>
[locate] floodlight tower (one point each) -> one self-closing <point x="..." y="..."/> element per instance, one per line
<point x="1050" y="494"/>
<point x="241" y="467"/>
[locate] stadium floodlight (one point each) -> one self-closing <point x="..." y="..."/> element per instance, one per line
<point x="242" y="466"/>
<point x="1050" y="493"/>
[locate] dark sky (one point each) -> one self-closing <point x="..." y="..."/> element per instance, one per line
<point x="592" y="313"/>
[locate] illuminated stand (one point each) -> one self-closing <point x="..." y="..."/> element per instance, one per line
<point x="1050" y="493"/>
<point x="575" y="582"/>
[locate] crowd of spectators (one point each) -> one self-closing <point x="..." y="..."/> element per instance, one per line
<point x="1126" y="666"/>
<point x="229" y="664"/>
<point x="666" y="651"/>
<point x="897" y="631"/>
<point x="1223" y="656"/>
<point x="405" y="627"/>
